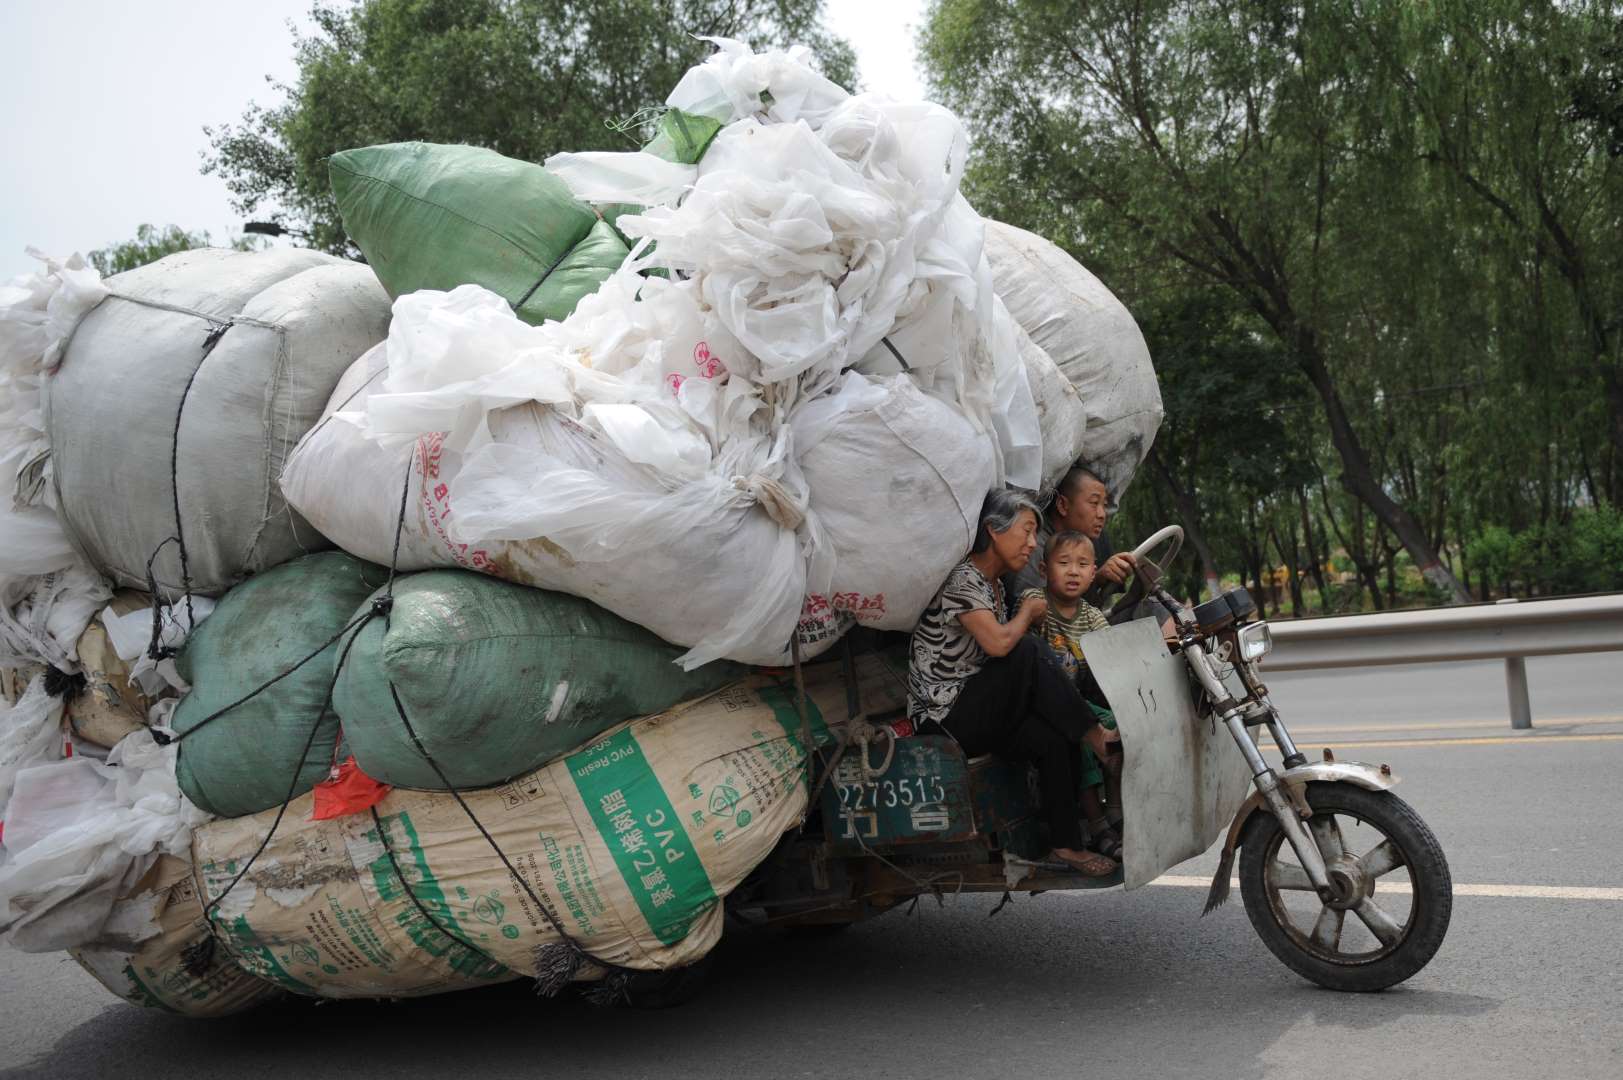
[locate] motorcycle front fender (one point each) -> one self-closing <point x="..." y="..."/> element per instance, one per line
<point x="1294" y="782"/>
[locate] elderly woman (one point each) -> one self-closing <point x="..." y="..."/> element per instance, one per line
<point x="979" y="676"/>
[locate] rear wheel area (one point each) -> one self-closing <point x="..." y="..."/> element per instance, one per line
<point x="667" y="989"/>
<point x="1394" y="895"/>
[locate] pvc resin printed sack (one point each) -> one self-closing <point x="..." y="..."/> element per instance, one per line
<point x="1092" y="337"/>
<point x="253" y="344"/>
<point x="434" y="217"/>
<point x="141" y="954"/>
<point x="497" y="679"/>
<point x="633" y="841"/>
<point x="245" y="760"/>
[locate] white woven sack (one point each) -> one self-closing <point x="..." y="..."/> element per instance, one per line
<point x="292" y="321"/>
<point x="1091" y="336"/>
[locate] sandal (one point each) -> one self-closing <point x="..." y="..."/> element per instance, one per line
<point x="1090" y="864"/>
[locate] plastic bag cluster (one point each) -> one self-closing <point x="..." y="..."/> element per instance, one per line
<point x="819" y="245"/>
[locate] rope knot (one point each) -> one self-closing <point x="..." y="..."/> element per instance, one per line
<point x="774" y="498"/>
<point x="382" y="606"/>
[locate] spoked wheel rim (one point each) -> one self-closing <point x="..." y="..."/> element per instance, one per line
<point x="1374" y="909"/>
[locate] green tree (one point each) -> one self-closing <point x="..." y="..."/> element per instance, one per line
<point x="151" y="244"/>
<point x="527" y="78"/>
<point x="1518" y="104"/>
<point x="1215" y="364"/>
<point x="1418" y="201"/>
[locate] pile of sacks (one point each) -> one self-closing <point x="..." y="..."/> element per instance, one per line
<point x="446" y="572"/>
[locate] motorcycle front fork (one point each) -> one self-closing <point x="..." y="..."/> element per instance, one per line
<point x="1233" y="715"/>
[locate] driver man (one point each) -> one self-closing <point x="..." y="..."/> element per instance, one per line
<point x="1082" y="504"/>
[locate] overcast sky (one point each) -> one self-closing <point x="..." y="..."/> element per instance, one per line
<point x="102" y="105"/>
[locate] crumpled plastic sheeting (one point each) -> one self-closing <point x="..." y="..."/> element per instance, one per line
<point x="30" y="734"/>
<point x="817" y="226"/>
<point x="131" y="635"/>
<point x="42" y="617"/>
<point x="79" y="834"/>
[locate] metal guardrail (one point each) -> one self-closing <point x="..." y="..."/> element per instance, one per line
<point x="1510" y="630"/>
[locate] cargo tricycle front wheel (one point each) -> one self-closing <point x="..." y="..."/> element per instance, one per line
<point x="1393" y="893"/>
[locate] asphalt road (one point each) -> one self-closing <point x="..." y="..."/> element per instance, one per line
<point x="1106" y="984"/>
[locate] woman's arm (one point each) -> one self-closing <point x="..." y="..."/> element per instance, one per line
<point x="998" y="639"/>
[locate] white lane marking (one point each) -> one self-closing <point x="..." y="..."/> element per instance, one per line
<point x="1441" y="725"/>
<point x="1531" y="739"/>
<point x="1515" y="892"/>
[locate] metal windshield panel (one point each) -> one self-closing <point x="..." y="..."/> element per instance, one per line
<point x="1183" y="780"/>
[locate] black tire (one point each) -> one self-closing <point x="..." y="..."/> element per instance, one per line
<point x="666" y="989"/>
<point x="1431" y="901"/>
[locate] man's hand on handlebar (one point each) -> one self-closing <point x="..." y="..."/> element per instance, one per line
<point x="1119" y="567"/>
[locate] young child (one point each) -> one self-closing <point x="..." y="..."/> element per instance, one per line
<point x="1068" y="569"/>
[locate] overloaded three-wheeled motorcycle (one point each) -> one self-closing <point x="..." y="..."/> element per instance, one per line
<point x="1341" y="878"/>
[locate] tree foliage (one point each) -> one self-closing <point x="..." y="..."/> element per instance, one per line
<point x="1414" y="205"/>
<point x="151" y="244"/>
<point x="526" y="78"/>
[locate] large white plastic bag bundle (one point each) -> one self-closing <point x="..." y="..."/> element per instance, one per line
<point x="349" y="487"/>
<point x="1061" y="413"/>
<point x="714" y="562"/>
<point x="808" y="244"/>
<point x="897" y="479"/>
<point x="1093" y="339"/>
<point x="554" y="504"/>
<point x="294" y="320"/>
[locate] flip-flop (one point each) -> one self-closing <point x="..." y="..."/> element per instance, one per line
<point x="1092" y="864"/>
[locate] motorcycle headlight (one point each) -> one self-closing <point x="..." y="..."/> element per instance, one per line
<point x="1256" y="641"/>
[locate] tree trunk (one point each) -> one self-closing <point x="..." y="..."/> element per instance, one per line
<point x="1189" y="511"/>
<point x="1389" y="555"/>
<point x="1290" y="557"/>
<point x="1354" y="550"/>
<point x="1316" y="561"/>
<point x="1359" y="478"/>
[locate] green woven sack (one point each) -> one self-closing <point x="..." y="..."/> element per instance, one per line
<point x="243" y="762"/>
<point x="498" y="679"/>
<point x="429" y="216"/>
